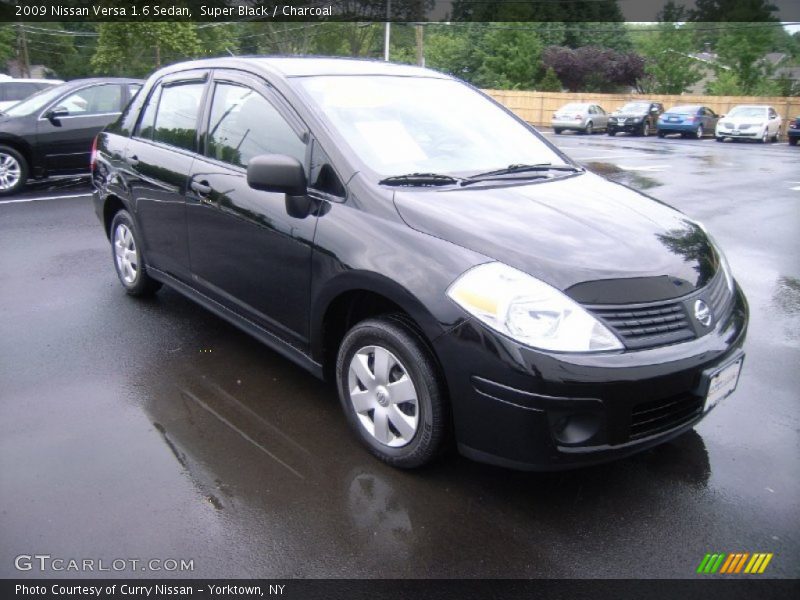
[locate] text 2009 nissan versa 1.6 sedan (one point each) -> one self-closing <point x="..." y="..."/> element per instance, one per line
<point x="396" y="230"/>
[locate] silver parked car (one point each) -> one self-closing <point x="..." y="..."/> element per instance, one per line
<point x="580" y="116"/>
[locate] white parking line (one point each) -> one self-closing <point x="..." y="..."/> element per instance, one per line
<point x="38" y="199"/>
<point x="643" y="168"/>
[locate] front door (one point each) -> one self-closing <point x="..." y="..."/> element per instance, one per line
<point x="246" y="251"/>
<point x="66" y="141"/>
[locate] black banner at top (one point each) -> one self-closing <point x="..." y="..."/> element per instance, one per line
<point x="397" y="10"/>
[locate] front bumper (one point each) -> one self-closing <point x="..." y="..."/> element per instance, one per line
<point x="526" y="409"/>
<point x="629" y="127"/>
<point x="748" y="134"/>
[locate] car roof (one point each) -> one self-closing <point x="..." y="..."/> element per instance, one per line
<point x="697" y="106"/>
<point x="17" y="80"/>
<point x="307" y="66"/>
<point x="75" y="83"/>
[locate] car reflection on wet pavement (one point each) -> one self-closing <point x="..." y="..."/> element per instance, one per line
<point x="153" y="429"/>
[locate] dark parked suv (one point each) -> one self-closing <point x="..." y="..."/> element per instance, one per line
<point x="51" y="132"/>
<point x="397" y="231"/>
<point x="639" y="117"/>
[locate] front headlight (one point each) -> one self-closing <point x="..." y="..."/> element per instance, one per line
<point x="529" y="311"/>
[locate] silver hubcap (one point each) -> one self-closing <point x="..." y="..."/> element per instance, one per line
<point x="125" y="252"/>
<point x="10" y="171"/>
<point x="383" y="396"/>
<point x="700" y="132"/>
<point x="646" y="129"/>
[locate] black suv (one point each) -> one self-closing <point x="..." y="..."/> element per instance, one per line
<point x="639" y="117"/>
<point x="396" y="230"/>
<point x="51" y="132"/>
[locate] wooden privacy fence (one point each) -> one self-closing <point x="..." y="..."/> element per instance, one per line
<point x="538" y="107"/>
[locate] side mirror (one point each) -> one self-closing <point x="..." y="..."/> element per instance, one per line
<point x="54" y="114"/>
<point x="654" y="110"/>
<point x="277" y="173"/>
<point x="721" y="116"/>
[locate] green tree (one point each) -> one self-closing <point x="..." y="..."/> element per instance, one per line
<point x="509" y="59"/>
<point x="742" y="51"/>
<point x="550" y="82"/>
<point x="135" y="49"/>
<point x="669" y="68"/>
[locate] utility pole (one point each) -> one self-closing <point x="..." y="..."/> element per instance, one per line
<point x="388" y="30"/>
<point x="420" y="33"/>
<point x="24" y="60"/>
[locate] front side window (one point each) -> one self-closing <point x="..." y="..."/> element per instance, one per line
<point x="400" y="125"/>
<point x="176" y="119"/>
<point x="244" y="124"/>
<point x="97" y="100"/>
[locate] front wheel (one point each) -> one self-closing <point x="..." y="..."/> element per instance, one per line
<point x="612" y="133"/>
<point x="699" y="133"/>
<point x="557" y="131"/>
<point x="793" y="141"/>
<point x="13" y="171"/>
<point x="765" y="136"/>
<point x="720" y="139"/>
<point x="390" y="391"/>
<point x="646" y="129"/>
<point x="589" y="130"/>
<point x="127" y="254"/>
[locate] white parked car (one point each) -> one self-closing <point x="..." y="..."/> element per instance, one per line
<point x="579" y="116"/>
<point x="14" y="90"/>
<point x="751" y="122"/>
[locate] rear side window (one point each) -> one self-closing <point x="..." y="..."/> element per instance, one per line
<point x="148" y="122"/>
<point x="176" y="118"/>
<point x="244" y="124"/>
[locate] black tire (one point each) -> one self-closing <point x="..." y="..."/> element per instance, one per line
<point x="557" y="131"/>
<point x="793" y="141"/>
<point x="589" y="129"/>
<point x="17" y="165"/>
<point x="662" y="134"/>
<point x="776" y="137"/>
<point x="645" y="129"/>
<point x="392" y="333"/>
<point x="612" y="132"/>
<point x="141" y="284"/>
<point x="720" y="139"/>
<point x="698" y="134"/>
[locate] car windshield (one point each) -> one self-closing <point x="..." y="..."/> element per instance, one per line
<point x="748" y="111"/>
<point x="635" y="107"/>
<point x="402" y="125"/>
<point x="33" y="103"/>
<point x="574" y="107"/>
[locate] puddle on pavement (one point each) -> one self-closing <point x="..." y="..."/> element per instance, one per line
<point x="786" y="297"/>
<point x="631" y="178"/>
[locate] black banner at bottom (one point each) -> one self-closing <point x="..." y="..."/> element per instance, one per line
<point x="400" y="589"/>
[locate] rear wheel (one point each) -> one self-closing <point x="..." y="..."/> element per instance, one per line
<point x="589" y="130"/>
<point x="645" y="128"/>
<point x="662" y="134"/>
<point x="776" y="137"/>
<point x="720" y="139"/>
<point x="557" y="131"/>
<point x="793" y="141"/>
<point x="128" y="261"/>
<point x="390" y="391"/>
<point x="13" y="171"/>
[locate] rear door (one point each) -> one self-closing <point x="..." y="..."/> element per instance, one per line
<point x="158" y="160"/>
<point x="65" y="143"/>
<point x="246" y="251"/>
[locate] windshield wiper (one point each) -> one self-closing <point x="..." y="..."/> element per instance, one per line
<point x="420" y="179"/>
<point x="520" y="168"/>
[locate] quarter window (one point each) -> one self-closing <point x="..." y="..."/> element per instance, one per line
<point x="244" y="124"/>
<point x="176" y="121"/>
<point x="148" y="122"/>
<point x="97" y="100"/>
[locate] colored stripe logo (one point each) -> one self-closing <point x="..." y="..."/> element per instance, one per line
<point x="735" y="563"/>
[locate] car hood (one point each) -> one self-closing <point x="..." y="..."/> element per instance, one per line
<point x="569" y="230"/>
<point x="628" y="114"/>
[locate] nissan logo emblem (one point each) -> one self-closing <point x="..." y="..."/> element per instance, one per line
<point x="702" y="313"/>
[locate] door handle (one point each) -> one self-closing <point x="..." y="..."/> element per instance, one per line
<point x="132" y="160"/>
<point x="201" y="187"/>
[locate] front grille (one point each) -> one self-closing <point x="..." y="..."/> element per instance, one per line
<point x="659" y="416"/>
<point x="744" y="126"/>
<point x="665" y="322"/>
<point x="649" y="325"/>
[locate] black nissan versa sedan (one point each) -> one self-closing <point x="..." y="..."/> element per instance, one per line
<point x="397" y="231"/>
<point x="51" y="132"/>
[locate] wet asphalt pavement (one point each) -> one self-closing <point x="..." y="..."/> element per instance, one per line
<point x="152" y="429"/>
